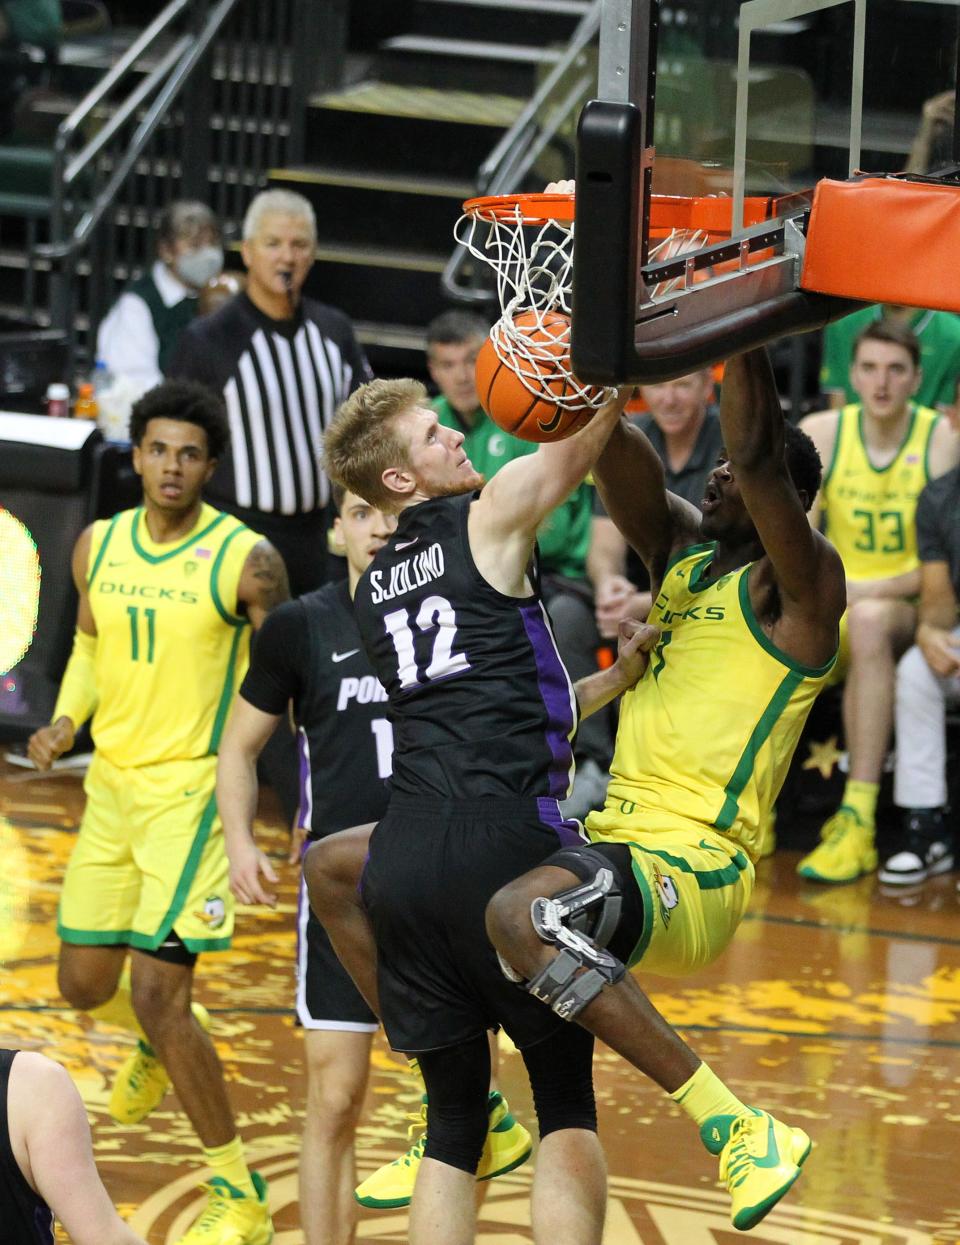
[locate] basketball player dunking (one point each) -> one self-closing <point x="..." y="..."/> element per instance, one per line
<point x="748" y="598"/>
<point x="484" y="715"/>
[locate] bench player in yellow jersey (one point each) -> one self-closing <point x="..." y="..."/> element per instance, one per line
<point x="878" y="454"/>
<point x="168" y="593"/>
<point x="748" y="599"/>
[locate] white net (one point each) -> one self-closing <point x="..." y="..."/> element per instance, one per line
<point x="532" y="260"/>
<point x="533" y="266"/>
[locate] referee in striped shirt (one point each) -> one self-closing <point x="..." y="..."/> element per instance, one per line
<point x="284" y="364"/>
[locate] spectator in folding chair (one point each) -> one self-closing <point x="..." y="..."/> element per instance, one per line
<point x="879" y="454"/>
<point x="928" y="681"/>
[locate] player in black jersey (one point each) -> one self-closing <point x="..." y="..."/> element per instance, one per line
<point x="46" y="1159"/>
<point x="309" y="652"/>
<point x="484" y="715"/>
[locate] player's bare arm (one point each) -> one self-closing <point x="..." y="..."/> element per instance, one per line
<point x="245" y="737"/>
<point x="630" y="477"/>
<point x="635" y="641"/>
<point x="799" y="589"/>
<point x="944" y="449"/>
<point x="505" y="518"/>
<point x="263" y="582"/>
<point x="51" y="1142"/>
<point x="50" y="742"/>
<point x="938" y="618"/>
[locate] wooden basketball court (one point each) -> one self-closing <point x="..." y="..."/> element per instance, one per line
<point x="837" y="1008"/>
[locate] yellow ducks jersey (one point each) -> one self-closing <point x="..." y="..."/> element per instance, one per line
<point x="171" y="647"/>
<point x="869" y="512"/>
<point x="706" y="735"/>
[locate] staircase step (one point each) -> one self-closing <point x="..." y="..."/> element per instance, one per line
<point x="416" y="131"/>
<point x="393" y="349"/>
<point x="381" y="257"/>
<point x="371" y="286"/>
<point x="367" y="208"/>
<point x="478" y="65"/>
<point x="424" y="103"/>
<point x="472" y="49"/>
<point x="390" y="183"/>
<point x="399" y="336"/>
<point x="540" y="22"/>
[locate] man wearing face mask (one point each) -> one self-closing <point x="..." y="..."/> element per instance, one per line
<point x="139" y="334"/>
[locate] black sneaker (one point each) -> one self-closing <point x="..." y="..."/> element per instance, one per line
<point x="927" y="849"/>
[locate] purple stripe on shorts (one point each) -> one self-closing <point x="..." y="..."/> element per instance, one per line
<point x="305" y="802"/>
<point x="569" y="830"/>
<point x="301" y="900"/>
<point x="557" y="696"/>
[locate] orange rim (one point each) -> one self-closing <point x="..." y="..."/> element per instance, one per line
<point x="535" y="209"/>
<point x="710" y="214"/>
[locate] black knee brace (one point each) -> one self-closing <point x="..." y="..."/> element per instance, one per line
<point x="580" y="921"/>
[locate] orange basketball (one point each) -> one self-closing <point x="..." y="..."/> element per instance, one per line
<point x="508" y="401"/>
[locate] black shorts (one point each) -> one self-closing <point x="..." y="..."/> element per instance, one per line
<point x="432" y="869"/>
<point x="326" y="995"/>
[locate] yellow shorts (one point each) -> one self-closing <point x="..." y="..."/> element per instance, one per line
<point x="149" y="858"/>
<point x="696" y="886"/>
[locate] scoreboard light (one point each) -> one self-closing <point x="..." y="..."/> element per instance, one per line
<point x="49" y="488"/>
<point x="19" y="591"/>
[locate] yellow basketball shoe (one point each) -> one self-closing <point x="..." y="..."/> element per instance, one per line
<point x="142" y="1080"/>
<point x="845" y="852"/>
<point x="507" y="1146"/>
<point x="231" y="1216"/>
<point x="760" y="1159"/>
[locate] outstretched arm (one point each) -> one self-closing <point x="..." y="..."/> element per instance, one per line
<point x="807" y="569"/>
<point x="526" y="490"/>
<point x="78" y="694"/>
<point x="630" y="477"/>
<point x="504" y="520"/>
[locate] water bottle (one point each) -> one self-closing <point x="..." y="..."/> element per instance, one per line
<point x="101" y="378"/>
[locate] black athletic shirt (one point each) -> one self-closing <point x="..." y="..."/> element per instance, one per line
<point x="282" y="381"/>
<point x="482" y="705"/>
<point x="25" y="1218"/>
<point x="309" y="651"/>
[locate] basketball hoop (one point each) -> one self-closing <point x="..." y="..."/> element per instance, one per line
<point x="527" y="240"/>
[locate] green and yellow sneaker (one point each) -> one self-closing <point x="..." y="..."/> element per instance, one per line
<point x="846" y="850"/>
<point x="232" y="1217"/>
<point x="760" y="1159"/>
<point x="507" y="1146"/>
<point x="142" y="1080"/>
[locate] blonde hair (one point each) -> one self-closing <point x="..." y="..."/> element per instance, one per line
<point x="362" y="440"/>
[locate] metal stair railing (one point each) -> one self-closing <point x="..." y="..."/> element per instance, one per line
<point x="553" y="106"/>
<point x="197" y="107"/>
